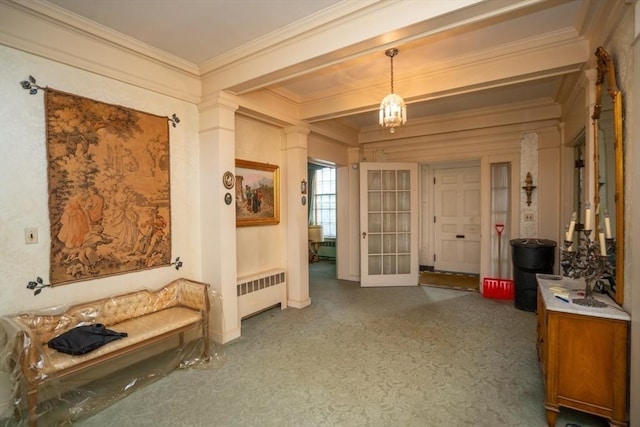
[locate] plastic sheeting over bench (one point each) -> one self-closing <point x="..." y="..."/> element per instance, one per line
<point x="166" y="329"/>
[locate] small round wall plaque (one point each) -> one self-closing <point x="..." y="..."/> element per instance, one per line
<point x="228" y="199"/>
<point x="228" y="180"/>
<point x="304" y="200"/>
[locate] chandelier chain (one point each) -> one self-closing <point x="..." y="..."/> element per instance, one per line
<point x="392" y="73"/>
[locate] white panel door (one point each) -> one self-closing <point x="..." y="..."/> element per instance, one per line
<point x="389" y="224"/>
<point x="457" y="220"/>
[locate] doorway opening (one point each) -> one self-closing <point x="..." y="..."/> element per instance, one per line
<point x="456" y="219"/>
<point x="322" y="218"/>
<point x="500" y="220"/>
<point x="450" y="225"/>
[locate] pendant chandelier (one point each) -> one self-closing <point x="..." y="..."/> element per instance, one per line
<point x="393" y="110"/>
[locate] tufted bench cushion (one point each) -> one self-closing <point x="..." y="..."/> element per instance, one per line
<point x="139" y="329"/>
<point x="146" y="316"/>
<point x="114" y="310"/>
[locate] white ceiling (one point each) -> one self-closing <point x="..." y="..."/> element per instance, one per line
<point x="195" y="30"/>
<point x="490" y="53"/>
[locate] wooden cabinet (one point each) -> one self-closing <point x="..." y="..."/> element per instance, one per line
<point x="583" y="354"/>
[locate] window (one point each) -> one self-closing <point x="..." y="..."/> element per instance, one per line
<point x="324" y="200"/>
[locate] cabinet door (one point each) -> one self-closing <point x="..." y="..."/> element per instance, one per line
<point x="589" y="365"/>
<point x="584" y="359"/>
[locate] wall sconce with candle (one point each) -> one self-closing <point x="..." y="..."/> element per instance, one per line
<point x="529" y="187"/>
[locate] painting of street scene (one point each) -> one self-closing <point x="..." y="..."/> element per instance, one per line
<point x="109" y="196"/>
<point x="257" y="198"/>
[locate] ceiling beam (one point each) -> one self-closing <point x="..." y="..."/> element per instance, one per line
<point x="501" y="69"/>
<point x="362" y="31"/>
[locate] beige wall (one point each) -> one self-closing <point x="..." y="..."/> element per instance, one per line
<point x="324" y="149"/>
<point x="169" y="90"/>
<point x="260" y="248"/>
<point x="624" y="47"/>
<point x="23" y="169"/>
<point x="620" y="48"/>
<point x="493" y="141"/>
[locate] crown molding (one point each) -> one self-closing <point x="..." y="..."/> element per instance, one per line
<point x="362" y="29"/>
<point x="300" y="29"/>
<point x="605" y="17"/>
<point x="404" y="78"/>
<point x="459" y="146"/>
<point x="42" y="29"/>
<point x="491" y="117"/>
<point x="270" y="107"/>
<point x="92" y="29"/>
<point x="495" y="68"/>
<point x="337" y="132"/>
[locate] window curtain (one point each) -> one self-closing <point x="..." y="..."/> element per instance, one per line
<point x="500" y="209"/>
<point x="311" y="188"/>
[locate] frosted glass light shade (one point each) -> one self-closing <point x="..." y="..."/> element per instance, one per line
<point x="393" y="111"/>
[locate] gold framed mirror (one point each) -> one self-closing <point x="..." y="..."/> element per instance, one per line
<point x="609" y="167"/>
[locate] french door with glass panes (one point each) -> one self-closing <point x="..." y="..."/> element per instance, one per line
<point x="389" y="224"/>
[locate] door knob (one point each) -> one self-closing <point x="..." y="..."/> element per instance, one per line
<point x="364" y="234"/>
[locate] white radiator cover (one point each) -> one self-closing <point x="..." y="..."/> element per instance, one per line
<point x="327" y="249"/>
<point x="260" y="291"/>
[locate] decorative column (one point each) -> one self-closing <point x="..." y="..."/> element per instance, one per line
<point x="528" y="164"/>
<point x="297" y="217"/>
<point x="217" y="219"/>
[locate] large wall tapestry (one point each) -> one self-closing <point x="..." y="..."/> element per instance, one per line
<point x="109" y="203"/>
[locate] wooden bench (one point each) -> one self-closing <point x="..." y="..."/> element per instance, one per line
<point x="148" y="317"/>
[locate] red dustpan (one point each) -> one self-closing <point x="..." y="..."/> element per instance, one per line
<point x="498" y="288"/>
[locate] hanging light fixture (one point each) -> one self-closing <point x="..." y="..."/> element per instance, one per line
<point x="393" y="110"/>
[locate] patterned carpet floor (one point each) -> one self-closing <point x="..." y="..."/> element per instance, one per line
<point x="411" y="356"/>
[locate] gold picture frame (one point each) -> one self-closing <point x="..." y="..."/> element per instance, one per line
<point x="257" y="193"/>
<point x="608" y="121"/>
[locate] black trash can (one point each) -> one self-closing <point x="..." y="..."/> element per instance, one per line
<point x="530" y="256"/>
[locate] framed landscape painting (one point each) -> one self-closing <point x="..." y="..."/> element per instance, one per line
<point x="257" y="193"/>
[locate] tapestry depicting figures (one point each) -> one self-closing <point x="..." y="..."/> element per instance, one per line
<point x="109" y="197"/>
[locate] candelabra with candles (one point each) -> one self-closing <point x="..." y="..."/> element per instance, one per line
<point x="589" y="259"/>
